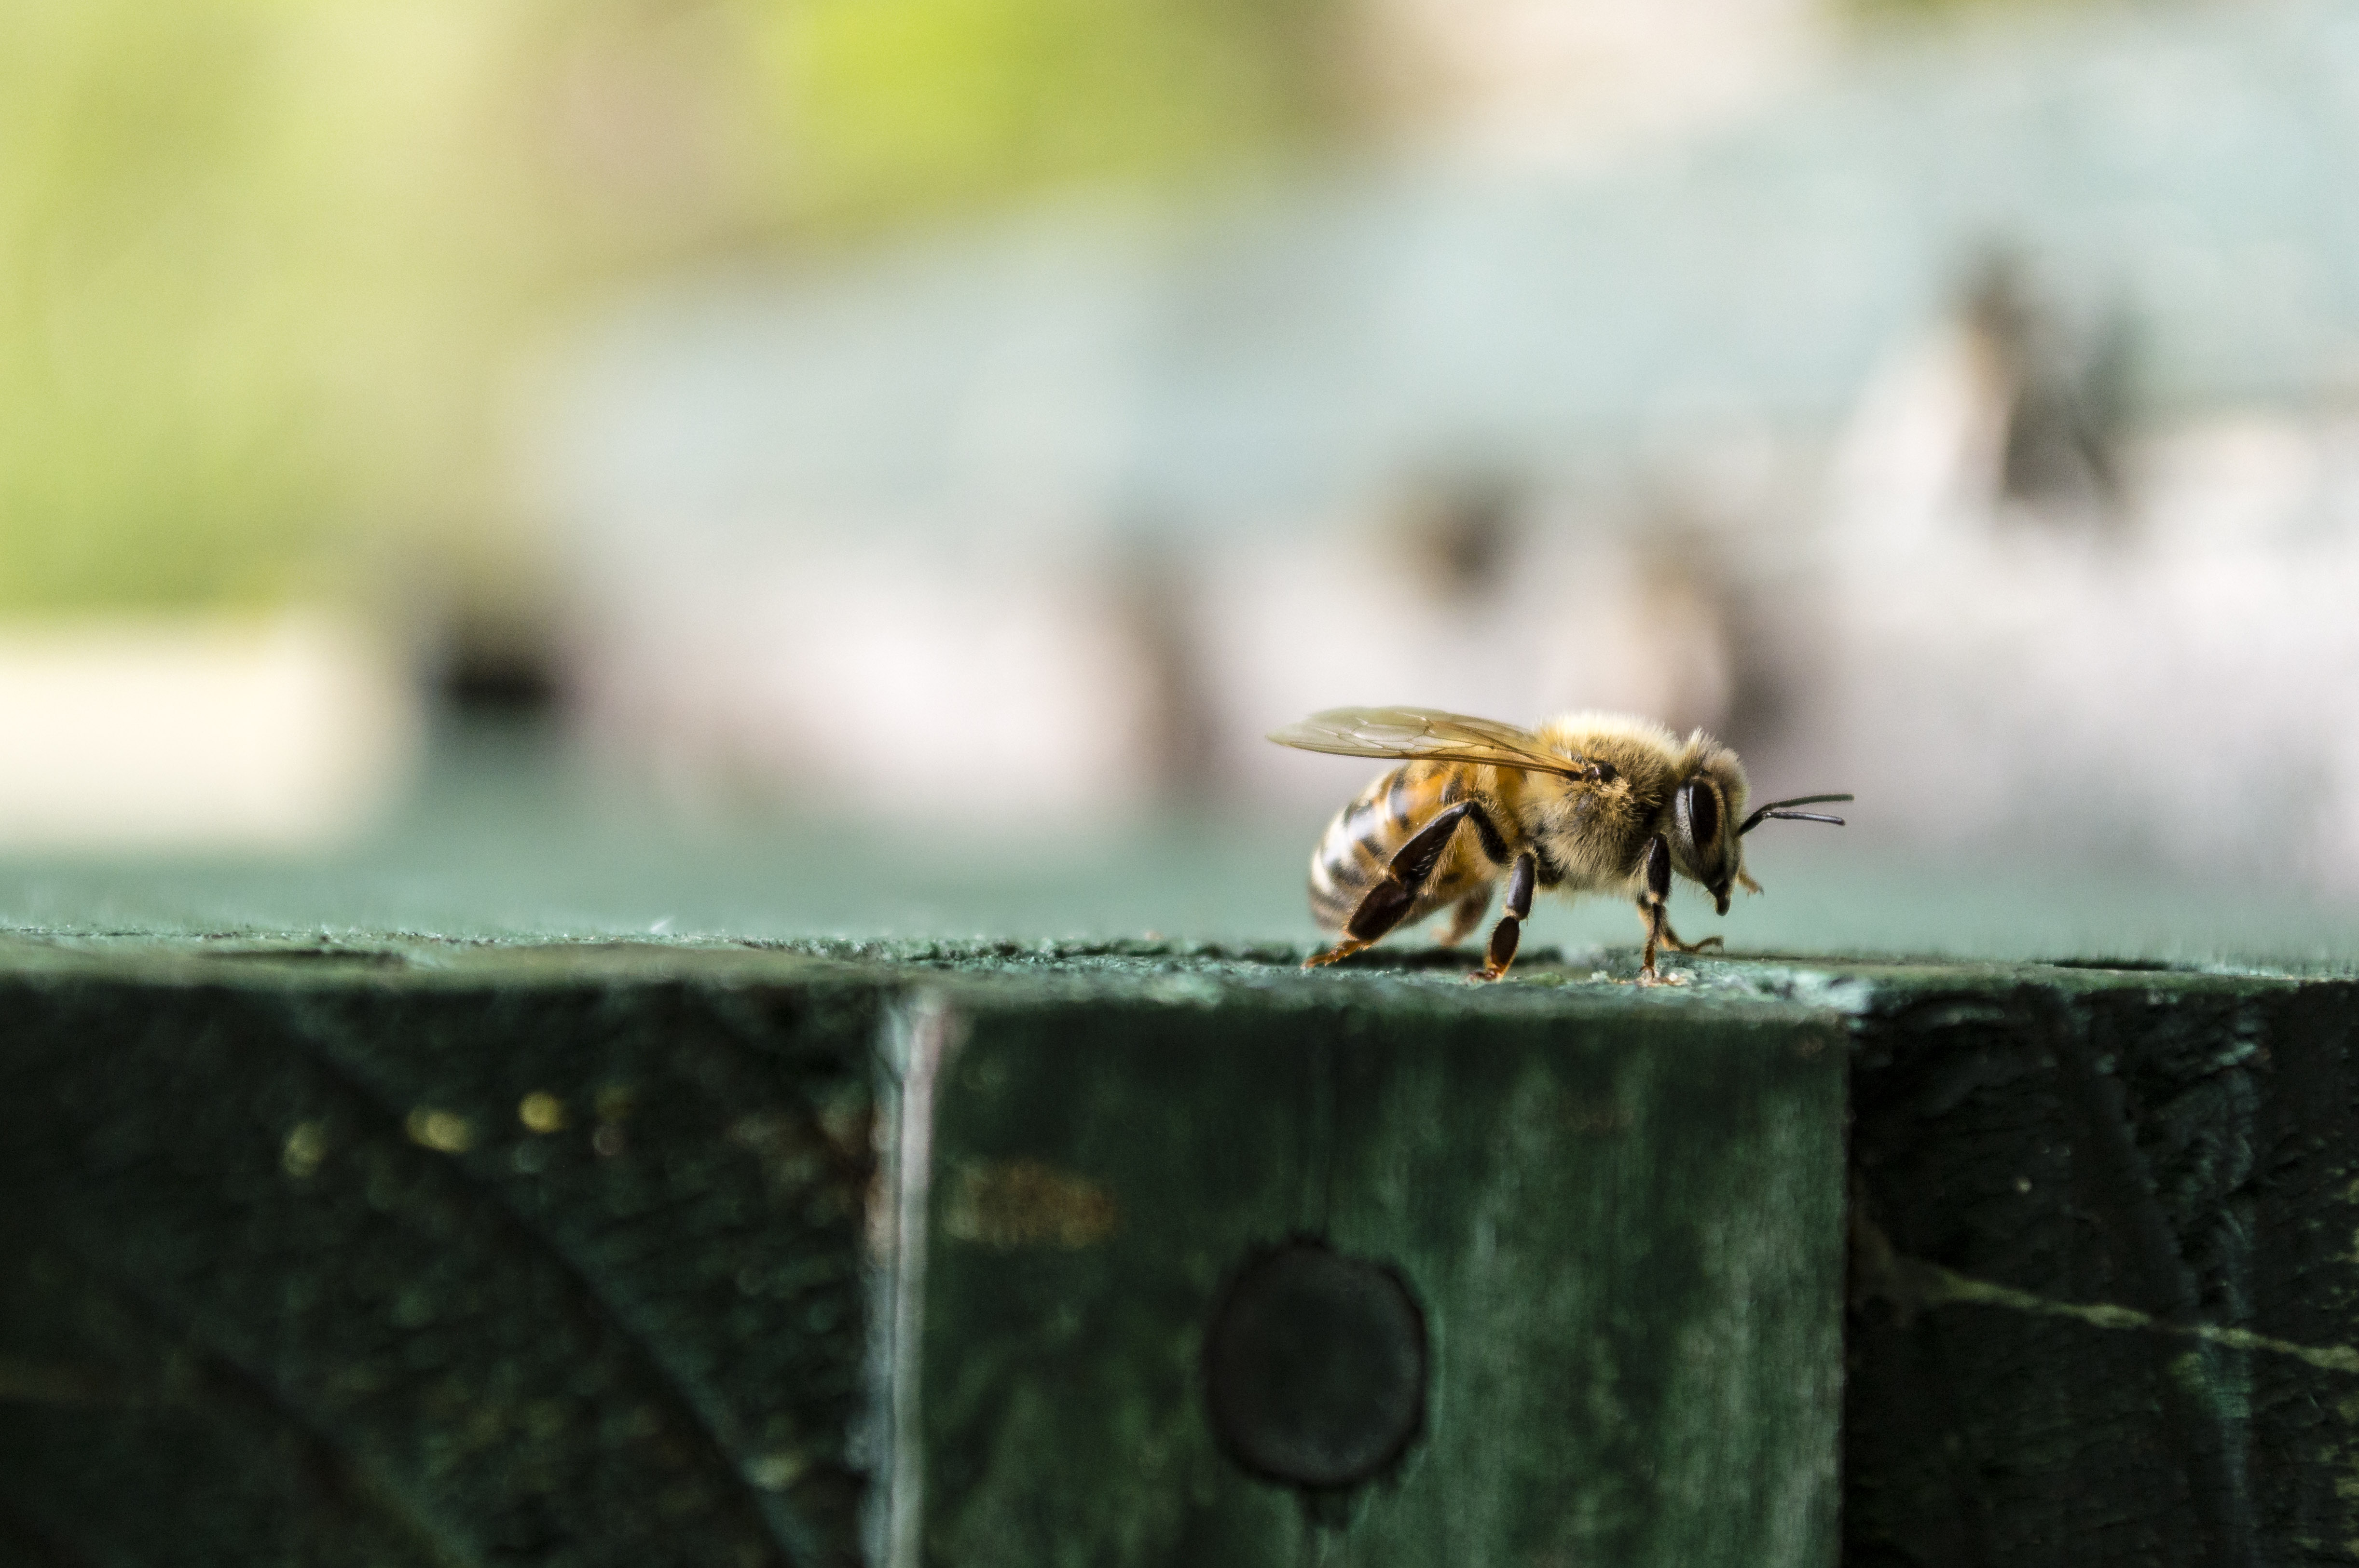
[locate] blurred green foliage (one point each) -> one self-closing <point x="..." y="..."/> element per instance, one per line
<point x="901" y="105"/>
<point x="246" y="274"/>
<point x="268" y="267"/>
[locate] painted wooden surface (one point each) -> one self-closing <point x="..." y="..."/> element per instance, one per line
<point x="2108" y="1284"/>
<point x="292" y="1279"/>
<point x="1622" y="1222"/>
<point x="401" y="1251"/>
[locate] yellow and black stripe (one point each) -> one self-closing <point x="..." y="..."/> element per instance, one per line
<point x="1359" y="844"/>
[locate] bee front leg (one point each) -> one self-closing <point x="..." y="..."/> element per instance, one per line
<point x="1509" y="931"/>
<point x="1386" y="903"/>
<point x="1671" y="939"/>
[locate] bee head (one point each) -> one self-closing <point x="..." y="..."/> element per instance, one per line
<point x="1705" y="844"/>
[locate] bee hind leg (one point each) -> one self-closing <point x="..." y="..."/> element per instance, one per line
<point x="1509" y="931"/>
<point x="1388" y="903"/>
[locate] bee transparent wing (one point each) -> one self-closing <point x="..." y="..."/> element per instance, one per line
<point x="1425" y="732"/>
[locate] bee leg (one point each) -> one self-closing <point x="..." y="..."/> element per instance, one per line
<point x="1671" y="939"/>
<point x="1463" y="915"/>
<point x="1386" y="903"/>
<point x="1652" y="900"/>
<point x="1509" y="931"/>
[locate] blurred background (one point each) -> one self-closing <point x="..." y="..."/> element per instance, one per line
<point x="880" y="466"/>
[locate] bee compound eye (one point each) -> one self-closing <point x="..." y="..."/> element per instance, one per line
<point x="1699" y="815"/>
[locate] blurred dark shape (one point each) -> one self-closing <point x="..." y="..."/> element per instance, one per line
<point x="500" y="675"/>
<point x="1656" y="602"/>
<point x="1158" y="592"/>
<point x="1767" y="647"/>
<point x="1698" y="600"/>
<point x="2065" y="401"/>
<point x="1460" y="533"/>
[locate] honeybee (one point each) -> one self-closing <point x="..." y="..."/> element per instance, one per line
<point x="1591" y="803"/>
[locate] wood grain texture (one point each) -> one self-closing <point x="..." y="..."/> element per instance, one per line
<point x="289" y="1281"/>
<point x="1623" y="1223"/>
<point x="397" y="1251"/>
<point x="2107" y="1307"/>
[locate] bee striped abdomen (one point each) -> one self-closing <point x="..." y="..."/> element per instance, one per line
<point x="1360" y="843"/>
<point x="1357" y="846"/>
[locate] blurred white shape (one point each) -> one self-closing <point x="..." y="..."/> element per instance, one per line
<point x="198" y="733"/>
<point x="1000" y="688"/>
<point x="1919" y="461"/>
<point x="2192" y="709"/>
<point x="1531" y="80"/>
<point x="2250" y="480"/>
<point x="2177" y="684"/>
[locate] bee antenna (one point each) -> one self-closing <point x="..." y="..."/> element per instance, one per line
<point x="1778" y="809"/>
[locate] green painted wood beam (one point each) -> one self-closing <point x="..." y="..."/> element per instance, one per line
<point x="406" y="1251"/>
<point x="1619" y="1217"/>
<point x="2106" y="1271"/>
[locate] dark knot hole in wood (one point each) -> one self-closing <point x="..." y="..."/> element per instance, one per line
<point x="1315" y="1367"/>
